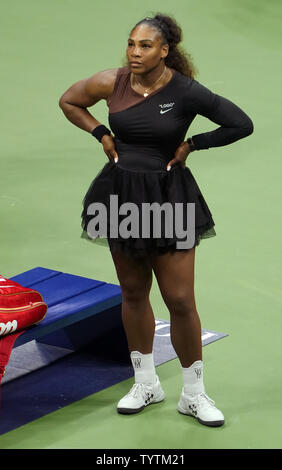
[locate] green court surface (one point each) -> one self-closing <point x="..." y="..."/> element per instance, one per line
<point x="47" y="165"/>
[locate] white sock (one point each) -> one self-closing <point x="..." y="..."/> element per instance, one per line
<point x="193" y="378"/>
<point x="144" y="367"/>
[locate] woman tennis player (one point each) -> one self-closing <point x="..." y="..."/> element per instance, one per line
<point x="152" y="101"/>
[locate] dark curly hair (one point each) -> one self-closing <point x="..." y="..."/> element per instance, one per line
<point x="171" y="33"/>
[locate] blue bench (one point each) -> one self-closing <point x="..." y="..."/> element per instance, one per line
<point x="80" y="310"/>
<point x="72" y="302"/>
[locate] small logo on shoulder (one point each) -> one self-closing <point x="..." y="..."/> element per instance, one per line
<point x="166" y="107"/>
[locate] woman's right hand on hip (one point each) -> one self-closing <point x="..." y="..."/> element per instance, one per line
<point x="109" y="147"/>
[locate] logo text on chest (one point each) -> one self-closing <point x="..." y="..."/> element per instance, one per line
<point x="166" y="107"/>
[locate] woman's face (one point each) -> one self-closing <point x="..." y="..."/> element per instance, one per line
<point x="145" y="49"/>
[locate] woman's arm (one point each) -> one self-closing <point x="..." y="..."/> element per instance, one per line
<point x="85" y="93"/>
<point x="234" y="123"/>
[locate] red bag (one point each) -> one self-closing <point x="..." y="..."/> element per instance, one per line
<point x="20" y="307"/>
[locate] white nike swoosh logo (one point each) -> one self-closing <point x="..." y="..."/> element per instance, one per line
<point x="165" y="111"/>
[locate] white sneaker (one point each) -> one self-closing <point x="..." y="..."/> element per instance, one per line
<point x="201" y="407"/>
<point x="139" y="396"/>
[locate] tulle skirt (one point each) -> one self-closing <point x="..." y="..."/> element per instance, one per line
<point x="113" y="212"/>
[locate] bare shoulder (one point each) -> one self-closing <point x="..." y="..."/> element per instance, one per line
<point x="88" y="91"/>
<point x="101" y="83"/>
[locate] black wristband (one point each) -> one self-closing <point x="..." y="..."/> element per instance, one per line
<point x="191" y="144"/>
<point x="100" y="131"/>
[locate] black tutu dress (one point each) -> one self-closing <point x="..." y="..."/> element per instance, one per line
<point x="147" y="132"/>
<point x="176" y="185"/>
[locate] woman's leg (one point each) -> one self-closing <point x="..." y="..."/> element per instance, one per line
<point x="135" y="278"/>
<point x="175" y="276"/>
